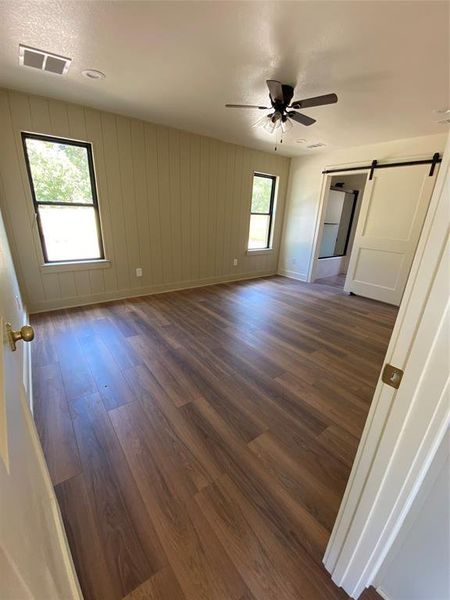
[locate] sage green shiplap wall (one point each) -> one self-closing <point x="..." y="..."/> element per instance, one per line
<point x="174" y="203"/>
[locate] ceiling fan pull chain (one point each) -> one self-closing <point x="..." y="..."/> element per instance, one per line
<point x="280" y="132"/>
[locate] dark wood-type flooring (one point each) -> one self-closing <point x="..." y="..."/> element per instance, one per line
<point x="200" y="441"/>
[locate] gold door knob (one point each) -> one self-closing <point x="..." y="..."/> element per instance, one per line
<point x="25" y="333"/>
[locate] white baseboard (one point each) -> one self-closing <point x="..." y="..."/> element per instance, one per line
<point x="293" y="274"/>
<point x="111" y="296"/>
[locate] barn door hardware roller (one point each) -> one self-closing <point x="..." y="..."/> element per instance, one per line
<point x="376" y="165"/>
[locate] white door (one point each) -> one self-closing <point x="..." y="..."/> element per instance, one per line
<point x="34" y="557"/>
<point x="405" y="426"/>
<point x="393" y="210"/>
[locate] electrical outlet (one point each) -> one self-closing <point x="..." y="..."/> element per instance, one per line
<point x="235" y="262"/>
<point x="139" y="272"/>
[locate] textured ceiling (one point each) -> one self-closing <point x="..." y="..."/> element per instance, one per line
<point x="178" y="63"/>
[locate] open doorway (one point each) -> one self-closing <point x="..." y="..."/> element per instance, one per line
<point x="369" y="243"/>
<point x="339" y="218"/>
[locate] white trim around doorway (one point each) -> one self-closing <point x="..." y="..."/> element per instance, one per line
<point x="324" y="189"/>
<point x="405" y="426"/>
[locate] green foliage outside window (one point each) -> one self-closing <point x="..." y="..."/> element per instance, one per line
<point x="262" y="189"/>
<point x="60" y="172"/>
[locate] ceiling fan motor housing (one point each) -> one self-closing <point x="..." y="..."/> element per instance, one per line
<point x="280" y="104"/>
<point x="288" y="93"/>
<point x="280" y="95"/>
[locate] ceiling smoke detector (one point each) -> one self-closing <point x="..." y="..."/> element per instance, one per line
<point x="43" y="60"/>
<point x="443" y="115"/>
<point x="93" y="74"/>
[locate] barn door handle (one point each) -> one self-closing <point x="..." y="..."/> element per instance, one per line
<point x="25" y="333"/>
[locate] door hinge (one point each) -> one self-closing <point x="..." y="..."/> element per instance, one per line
<point x="392" y="376"/>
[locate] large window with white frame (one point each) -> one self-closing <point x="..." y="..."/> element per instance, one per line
<point x="262" y="211"/>
<point x="62" y="181"/>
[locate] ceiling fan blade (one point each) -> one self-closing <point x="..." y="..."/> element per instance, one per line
<point x="247" y="106"/>
<point x="316" y="101"/>
<point x="275" y="90"/>
<point x="288" y="92"/>
<point x="303" y="119"/>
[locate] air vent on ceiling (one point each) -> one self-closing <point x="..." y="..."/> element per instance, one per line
<point x="42" y="60"/>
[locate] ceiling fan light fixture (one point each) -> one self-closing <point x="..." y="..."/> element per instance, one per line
<point x="270" y="125"/>
<point x="277" y="117"/>
<point x="267" y="123"/>
<point x="273" y="121"/>
<point x="283" y="117"/>
<point x="286" y="124"/>
<point x="261" y="121"/>
<point x="277" y="121"/>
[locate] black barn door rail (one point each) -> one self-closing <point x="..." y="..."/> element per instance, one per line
<point x="376" y="165"/>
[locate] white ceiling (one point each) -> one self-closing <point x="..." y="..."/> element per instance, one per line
<point x="178" y="63"/>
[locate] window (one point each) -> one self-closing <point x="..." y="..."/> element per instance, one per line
<point x="263" y="196"/>
<point x="62" y="181"/>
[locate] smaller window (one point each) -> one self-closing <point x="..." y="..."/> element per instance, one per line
<point x="61" y="174"/>
<point x="263" y="197"/>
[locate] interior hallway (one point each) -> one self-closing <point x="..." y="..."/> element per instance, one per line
<point x="200" y="441"/>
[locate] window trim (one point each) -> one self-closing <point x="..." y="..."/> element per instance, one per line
<point x="268" y="245"/>
<point x="88" y="146"/>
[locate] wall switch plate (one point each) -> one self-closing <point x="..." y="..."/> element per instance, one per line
<point x="139" y="272"/>
<point x="235" y="262"/>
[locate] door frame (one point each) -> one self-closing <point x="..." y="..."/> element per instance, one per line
<point x="324" y="190"/>
<point x="390" y="466"/>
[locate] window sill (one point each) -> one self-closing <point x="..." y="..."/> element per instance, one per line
<point x="85" y="265"/>
<point x="257" y="251"/>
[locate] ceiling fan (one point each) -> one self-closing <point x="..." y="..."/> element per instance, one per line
<point x="280" y="95"/>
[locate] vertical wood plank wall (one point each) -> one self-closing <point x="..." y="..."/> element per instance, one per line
<point x="174" y="203"/>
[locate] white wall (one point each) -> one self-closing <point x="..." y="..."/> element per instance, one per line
<point x="173" y="203"/>
<point x="305" y="181"/>
<point x="417" y="566"/>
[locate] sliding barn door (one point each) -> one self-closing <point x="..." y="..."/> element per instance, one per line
<point x="393" y="210"/>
